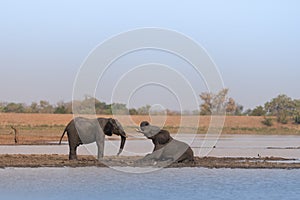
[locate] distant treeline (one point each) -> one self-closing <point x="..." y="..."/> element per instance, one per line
<point x="282" y="106"/>
<point x="86" y="106"/>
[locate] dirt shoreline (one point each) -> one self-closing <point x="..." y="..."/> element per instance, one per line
<point x="55" y="160"/>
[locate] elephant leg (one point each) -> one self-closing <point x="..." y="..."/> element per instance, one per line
<point x="100" y="145"/>
<point x="156" y="155"/>
<point x="188" y="156"/>
<point x="100" y="151"/>
<point x="73" y="140"/>
<point x="73" y="154"/>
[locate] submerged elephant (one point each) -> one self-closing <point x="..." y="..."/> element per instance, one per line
<point x="165" y="147"/>
<point x="84" y="131"/>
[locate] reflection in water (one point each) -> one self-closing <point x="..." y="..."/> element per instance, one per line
<point x="183" y="183"/>
<point x="227" y="146"/>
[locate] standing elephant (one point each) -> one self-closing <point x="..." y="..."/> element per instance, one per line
<point x="84" y="131"/>
<point x="165" y="147"/>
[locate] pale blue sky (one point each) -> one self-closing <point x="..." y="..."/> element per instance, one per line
<point x="255" y="44"/>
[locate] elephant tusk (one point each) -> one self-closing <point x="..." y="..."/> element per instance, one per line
<point x="138" y="130"/>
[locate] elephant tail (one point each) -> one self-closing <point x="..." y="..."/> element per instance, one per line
<point x="62" y="136"/>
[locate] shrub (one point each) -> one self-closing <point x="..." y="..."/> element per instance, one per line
<point x="282" y="118"/>
<point x="258" y="111"/>
<point x="297" y="119"/>
<point x="267" y="121"/>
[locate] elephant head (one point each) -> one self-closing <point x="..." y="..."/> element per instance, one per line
<point x="113" y="126"/>
<point x="158" y="135"/>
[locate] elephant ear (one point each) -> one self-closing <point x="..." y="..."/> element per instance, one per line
<point x="162" y="137"/>
<point x="108" y="128"/>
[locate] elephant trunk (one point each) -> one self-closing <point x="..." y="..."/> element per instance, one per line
<point x="123" y="139"/>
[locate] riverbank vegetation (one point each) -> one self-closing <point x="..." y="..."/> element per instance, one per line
<point x="281" y="109"/>
<point x="41" y="128"/>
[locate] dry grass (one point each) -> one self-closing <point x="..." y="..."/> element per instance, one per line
<point x="40" y="128"/>
<point x="32" y="120"/>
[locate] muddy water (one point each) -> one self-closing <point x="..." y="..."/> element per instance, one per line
<point x="225" y="146"/>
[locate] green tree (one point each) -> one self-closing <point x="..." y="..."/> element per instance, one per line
<point x="61" y="108"/>
<point x="34" y="108"/>
<point x="247" y="112"/>
<point x="267" y="121"/>
<point x="296" y="111"/>
<point x="2" y="106"/>
<point x="45" y="107"/>
<point x="239" y="109"/>
<point x="144" y="110"/>
<point x="133" y="111"/>
<point x="282" y="106"/>
<point x="86" y="106"/>
<point x="119" y="108"/>
<point x="103" y="108"/>
<point x="258" y="111"/>
<point x="14" y="108"/>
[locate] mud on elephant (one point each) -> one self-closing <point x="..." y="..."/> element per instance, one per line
<point x="165" y="147"/>
<point x="84" y="131"/>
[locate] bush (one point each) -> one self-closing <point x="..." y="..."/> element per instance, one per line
<point x="258" y="111"/>
<point x="267" y="121"/>
<point x="60" y="110"/>
<point x="282" y="118"/>
<point x="297" y="119"/>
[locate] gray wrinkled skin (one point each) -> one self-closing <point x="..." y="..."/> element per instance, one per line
<point x="165" y="147"/>
<point x="149" y="131"/>
<point x="84" y="131"/>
